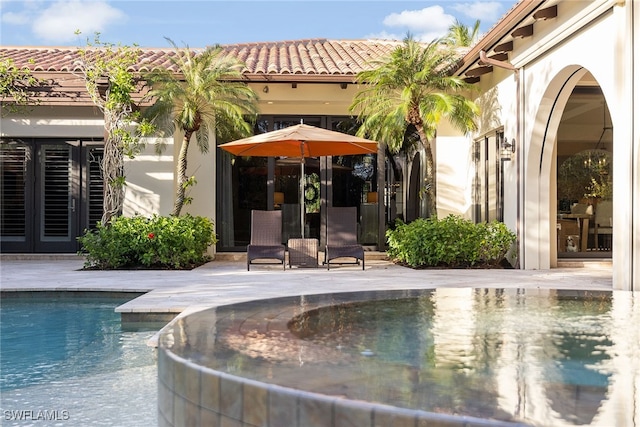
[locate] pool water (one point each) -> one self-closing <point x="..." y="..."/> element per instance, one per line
<point x="461" y="360"/>
<point x="531" y="356"/>
<point x="68" y="361"/>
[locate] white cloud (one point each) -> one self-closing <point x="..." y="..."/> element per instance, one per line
<point x="487" y="12"/>
<point x="424" y="24"/>
<point x="14" y="18"/>
<point x="59" y="21"/>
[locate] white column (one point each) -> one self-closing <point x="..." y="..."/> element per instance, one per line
<point x="635" y="155"/>
<point x="626" y="157"/>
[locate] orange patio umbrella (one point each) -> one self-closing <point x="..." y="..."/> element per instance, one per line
<point x="301" y="141"/>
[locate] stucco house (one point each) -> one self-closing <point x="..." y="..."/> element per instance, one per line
<point x="554" y="79"/>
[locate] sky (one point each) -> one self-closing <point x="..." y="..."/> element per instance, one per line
<point x="200" y="23"/>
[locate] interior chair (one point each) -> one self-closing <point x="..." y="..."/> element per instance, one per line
<point x="602" y="228"/>
<point x="266" y="238"/>
<point x="342" y="236"/>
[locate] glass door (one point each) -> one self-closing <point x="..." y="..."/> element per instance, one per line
<point x="50" y="191"/>
<point x="57" y="201"/>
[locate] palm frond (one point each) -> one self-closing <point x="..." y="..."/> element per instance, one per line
<point x="412" y="83"/>
<point x="460" y="35"/>
<point x="202" y="138"/>
<point x="206" y="91"/>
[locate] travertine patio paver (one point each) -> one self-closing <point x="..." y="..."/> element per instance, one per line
<point x="225" y="282"/>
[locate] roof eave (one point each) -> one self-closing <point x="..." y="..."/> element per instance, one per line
<point x="298" y="78"/>
<point x="502" y="29"/>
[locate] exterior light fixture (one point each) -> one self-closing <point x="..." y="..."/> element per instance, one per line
<point x="507" y="149"/>
<point x="265" y="89"/>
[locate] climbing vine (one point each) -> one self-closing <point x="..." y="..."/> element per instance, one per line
<point x="17" y="87"/>
<point x="111" y="84"/>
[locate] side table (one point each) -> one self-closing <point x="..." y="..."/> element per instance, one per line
<point x="303" y="252"/>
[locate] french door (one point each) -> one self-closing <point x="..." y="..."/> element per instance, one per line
<point x="50" y="191"/>
<point x="488" y="184"/>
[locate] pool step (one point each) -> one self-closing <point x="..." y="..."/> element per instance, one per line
<point x="585" y="263"/>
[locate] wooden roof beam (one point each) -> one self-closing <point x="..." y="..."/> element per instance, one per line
<point x="548" y="13"/>
<point x="476" y="72"/>
<point x="502" y="56"/>
<point x="504" y="47"/>
<point x="526" y="31"/>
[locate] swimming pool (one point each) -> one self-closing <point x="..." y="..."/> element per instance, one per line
<point x="67" y="361"/>
<point x="456" y="356"/>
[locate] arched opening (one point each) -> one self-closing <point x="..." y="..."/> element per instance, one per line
<point x="584" y="183"/>
<point x="568" y="121"/>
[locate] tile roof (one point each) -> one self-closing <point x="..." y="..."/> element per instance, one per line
<point x="313" y="58"/>
<point x="310" y="57"/>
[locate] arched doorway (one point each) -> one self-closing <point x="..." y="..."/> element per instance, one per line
<point x="584" y="207"/>
<point x="568" y="122"/>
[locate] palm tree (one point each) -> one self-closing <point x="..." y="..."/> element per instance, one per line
<point x="413" y="89"/>
<point x="460" y="35"/>
<point x="205" y="92"/>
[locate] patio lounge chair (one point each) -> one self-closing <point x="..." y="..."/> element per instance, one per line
<point x="342" y="240"/>
<point x="266" y="238"/>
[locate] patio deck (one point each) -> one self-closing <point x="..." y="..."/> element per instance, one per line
<point x="226" y="281"/>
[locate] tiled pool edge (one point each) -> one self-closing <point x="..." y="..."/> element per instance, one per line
<point x="190" y="394"/>
<point x="128" y="317"/>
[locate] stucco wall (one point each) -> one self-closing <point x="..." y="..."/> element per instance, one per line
<point x="306" y="98"/>
<point x="54" y="122"/>
<point x="202" y="166"/>
<point x="150" y="180"/>
<point x="454" y="169"/>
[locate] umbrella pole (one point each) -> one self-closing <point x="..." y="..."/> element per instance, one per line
<point x="302" y="207"/>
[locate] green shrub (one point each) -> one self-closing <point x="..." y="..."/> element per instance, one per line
<point x="451" y="242"/>
<point x="157" y="242"/>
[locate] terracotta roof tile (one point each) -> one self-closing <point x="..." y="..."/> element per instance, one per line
<point x="296" y="63"/>
<point x="313" y="57"/>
